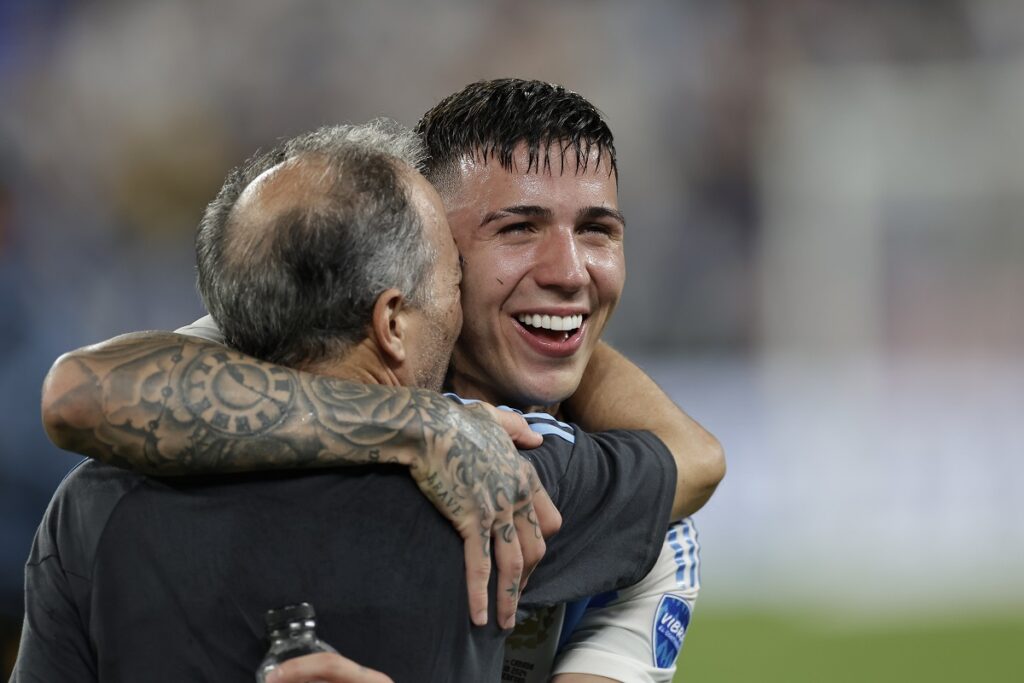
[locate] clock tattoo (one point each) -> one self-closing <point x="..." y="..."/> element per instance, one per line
<point x="235" y="396"/>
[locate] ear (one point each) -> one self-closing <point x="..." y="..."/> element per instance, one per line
<point x="389" y="325"/>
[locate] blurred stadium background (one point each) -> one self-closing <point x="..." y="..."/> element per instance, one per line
<point x="826" y="266"/>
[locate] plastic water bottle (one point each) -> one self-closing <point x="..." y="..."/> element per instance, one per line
<point x="292" y="633"/>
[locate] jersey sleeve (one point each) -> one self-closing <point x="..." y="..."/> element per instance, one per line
<point x="204" y="328"/>
<point x="614" y="491"/>
<point x="636" y="634"/>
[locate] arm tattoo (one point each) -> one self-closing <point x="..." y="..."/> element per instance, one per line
<point x="165" y="404"/>
<point x="170" y="405"/>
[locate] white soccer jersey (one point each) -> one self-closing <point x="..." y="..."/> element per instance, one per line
<point x="636" y="636"/>
<point x="631" y="635"/>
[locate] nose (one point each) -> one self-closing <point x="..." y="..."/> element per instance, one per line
<point x="560" y="262"/>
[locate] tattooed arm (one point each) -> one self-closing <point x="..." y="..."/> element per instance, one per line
<point x="166" y="404"/>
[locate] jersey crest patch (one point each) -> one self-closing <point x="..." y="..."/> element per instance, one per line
<point x="670" y="624"/>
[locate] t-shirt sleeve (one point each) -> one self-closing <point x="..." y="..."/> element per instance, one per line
<point x="204" y="328"/>
<point x="57" y="644"/>
<point x="54" y="640"/>
<point x="614" y="490"/>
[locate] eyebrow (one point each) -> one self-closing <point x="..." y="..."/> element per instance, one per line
<point x="587" y="213"/>
<point x="591" y="213"/>
<point x="531" y="210"/>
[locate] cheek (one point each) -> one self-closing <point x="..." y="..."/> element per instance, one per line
<point x="487" y="282"/>
<point x="609" y="275"/>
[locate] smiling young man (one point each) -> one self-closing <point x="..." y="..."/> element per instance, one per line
<point x="527" y="173"/>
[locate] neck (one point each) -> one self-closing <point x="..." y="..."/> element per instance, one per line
<point x="363" y="363"/>
<point x="468" y="387"/>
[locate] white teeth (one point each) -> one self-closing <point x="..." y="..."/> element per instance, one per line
<point x="557" y="323"/>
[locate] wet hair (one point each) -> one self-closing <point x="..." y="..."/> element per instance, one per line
<point x="489" y="119"/>
<point x="296" y="283"/>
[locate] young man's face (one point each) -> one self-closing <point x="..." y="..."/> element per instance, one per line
<point x="543" y="268"/>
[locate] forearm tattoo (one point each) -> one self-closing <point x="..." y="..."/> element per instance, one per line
<point x="163" y="404"/>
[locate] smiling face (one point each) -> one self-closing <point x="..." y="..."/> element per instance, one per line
<point x="543" y="268"/>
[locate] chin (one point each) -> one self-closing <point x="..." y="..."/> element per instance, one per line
<point x="550" y="390"/>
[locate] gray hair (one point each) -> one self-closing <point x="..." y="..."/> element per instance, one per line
<point x="297" y="284"/>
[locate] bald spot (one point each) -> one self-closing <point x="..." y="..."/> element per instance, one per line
<point x="298" y="185"/>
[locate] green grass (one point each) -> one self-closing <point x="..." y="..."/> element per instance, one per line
<point x="763" y="647"/>
<point x="737" y="647"/>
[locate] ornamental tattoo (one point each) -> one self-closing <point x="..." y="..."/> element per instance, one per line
<point x="236" y="397"/>
<point x="163" y="404"/>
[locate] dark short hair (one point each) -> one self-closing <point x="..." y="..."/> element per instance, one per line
<point x="488" y="119"/>
<point x="304" y="288"/>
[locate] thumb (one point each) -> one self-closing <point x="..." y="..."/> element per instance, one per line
<point x="518" y="429"/>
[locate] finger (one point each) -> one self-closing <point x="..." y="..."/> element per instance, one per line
<point x="530" y="541"/>
<point x="478" y="572"/>
<point x="518" y="429"/>
<point x="549" y="519"/>
<point x="526" y="438"/>
<point x="327" y="667"/>
<point x="508" y="556"/>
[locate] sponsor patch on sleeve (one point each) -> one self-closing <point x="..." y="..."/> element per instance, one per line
<point x="669" y="628"/>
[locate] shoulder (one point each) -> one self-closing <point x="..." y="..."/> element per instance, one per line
<point x="79" y="512"/>
<point x="620" y="445"/>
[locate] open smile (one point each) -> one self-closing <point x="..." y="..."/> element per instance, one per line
<point x="555" y="336"/>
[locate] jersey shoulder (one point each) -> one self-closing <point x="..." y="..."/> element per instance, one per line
<point x="541" y="423"/>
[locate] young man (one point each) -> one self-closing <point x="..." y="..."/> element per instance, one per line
<point x="527" y="173"/>
<point x="346" y="251"/>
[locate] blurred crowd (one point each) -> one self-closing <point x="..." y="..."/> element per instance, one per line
<point x="812" y="177"/>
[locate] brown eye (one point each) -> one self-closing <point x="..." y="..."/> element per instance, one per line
<point x="514" y="228"/>
<point x="597" y="229"/>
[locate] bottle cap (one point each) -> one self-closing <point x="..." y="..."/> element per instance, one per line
<point x="282" y="616"/>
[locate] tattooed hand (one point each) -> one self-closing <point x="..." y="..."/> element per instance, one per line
<point x="166" y="404"/>
<point x="489" y="492"/>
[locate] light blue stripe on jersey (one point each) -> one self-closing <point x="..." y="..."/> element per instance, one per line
<point x="691" y="537"/>
<point x="543" y="428"/>
<point x="673" y="541"/>
<point x="682" y="538"/>
<point x="545" y="416"/>
<point x="549" y="426"/>
<point x="474" y="401"/>
<point x="459" y="399"/>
